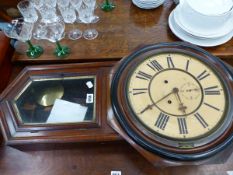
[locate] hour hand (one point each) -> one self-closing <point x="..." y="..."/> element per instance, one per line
<point x="182" y="107"/>
<point x="146" y="108"/>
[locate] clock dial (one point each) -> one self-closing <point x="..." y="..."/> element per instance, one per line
<point x="174" y="99"/>
<point x="176" y="96"/>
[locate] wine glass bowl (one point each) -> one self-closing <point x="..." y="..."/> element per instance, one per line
<point x="28" y="11"/>
<point x="22" y="31"/>
<point x="48" y="14"/>
<point x="54" y="33"/>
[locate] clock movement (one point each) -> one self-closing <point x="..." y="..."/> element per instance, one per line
<point x="174" y="100"/>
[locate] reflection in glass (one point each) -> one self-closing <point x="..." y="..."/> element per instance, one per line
<point x="54" y="101"/>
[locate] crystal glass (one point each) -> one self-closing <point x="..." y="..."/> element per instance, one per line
<point x="86" y="15"/>
<point x="54" y="33"/>
<point x="69" y="16"/>
<point x="22" y="31"/>
<point x="76" y="3"/>
<point x="92" y="6"/>
<point x="39" y="30"/>
<point x="50" y="3"/>
<point x="28" y="11"/>
<point x="37" y="3"/>
<point x="107" y="6"/>
<point x="63" y="3"/>
<point x="48" y="14"/>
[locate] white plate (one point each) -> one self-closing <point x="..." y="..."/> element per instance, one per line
<point x="211" y="7"/>
<point x="205" y="33"/>
<point x="147" y="6"/>
<point x="200" y="42"/>
<point x="143" y="4"/>
<point x="149" y="2"/>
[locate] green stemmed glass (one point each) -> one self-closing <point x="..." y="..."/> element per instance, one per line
<point x="61" y="51"/>
<point x="22" y="31"/>
<point x="34" y="51"/>
<point x="54" y="33"/>
<point x="107" y="6"/>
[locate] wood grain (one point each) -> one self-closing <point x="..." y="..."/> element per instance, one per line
<point x="93" y="159"/>
<point x="120" y="32"/>
<point x="6" y="52"/>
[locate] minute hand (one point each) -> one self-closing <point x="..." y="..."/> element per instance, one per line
<point x="150" y="106"/>
<point x="174" y="90"/>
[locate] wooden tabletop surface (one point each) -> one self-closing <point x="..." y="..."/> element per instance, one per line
<point x="120" y="32"/>
<point x="93" y="159"/>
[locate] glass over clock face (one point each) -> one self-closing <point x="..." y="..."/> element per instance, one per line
<point x="176" y="96"/>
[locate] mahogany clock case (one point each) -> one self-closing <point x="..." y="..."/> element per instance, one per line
<point x="147" y="139"/>
<point x="23" y="120"/>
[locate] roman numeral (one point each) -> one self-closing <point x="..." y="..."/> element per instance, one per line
<point x="154" y="65"/>
<point x="170" y="62"/>
<point x="143" y="76"/>
<point x="201" y="120"/>
<point x="138" y="91"/>
<point x="162" y="121"/>
<point x="213" y="90"/>
<point x="182" y="125"/>
<point x="212" y="106"/>
<point x="203" y="75"/>
<point x="187" y="66"/>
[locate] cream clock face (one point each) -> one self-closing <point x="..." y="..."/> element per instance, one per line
<point x="176" y="96"/>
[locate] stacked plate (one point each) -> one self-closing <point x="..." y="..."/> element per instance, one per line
<point x="148" y="4"/>
<point x="200" y="28"/>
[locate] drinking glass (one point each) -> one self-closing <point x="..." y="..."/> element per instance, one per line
<point x="50" y="3"/>
<point x="69" y="16"/>
<point x="37" y="3"/>
<point x="28" y="11"/>
<point x="76" y="4"/>
<point x="39" y="30"/>
<point x="22" y="31"/>
<point x="107" y="6"/>
<point x="63" y="3"/>
<point x="48" y="14"/>
<point x="54" y="33"/>
<point x="92" y="5"/>
<point x="86" y="15"/>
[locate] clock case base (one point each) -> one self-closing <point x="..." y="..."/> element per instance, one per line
<point x="158" y="161"/>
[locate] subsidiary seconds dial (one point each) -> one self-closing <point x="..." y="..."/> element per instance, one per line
<point x="176" y="96"/>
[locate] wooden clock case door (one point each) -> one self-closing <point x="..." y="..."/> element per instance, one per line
<point x="17" y="132"/>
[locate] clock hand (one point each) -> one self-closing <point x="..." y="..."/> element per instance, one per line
<point x="150" y="106"/>
<point x="174" y="90"/>
<point x="146" y="108"/>
<point x="181" y="105"/>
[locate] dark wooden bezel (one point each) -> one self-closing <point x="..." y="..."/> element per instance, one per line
<point x="15" y="132"/>
<point x="142" y="135"/>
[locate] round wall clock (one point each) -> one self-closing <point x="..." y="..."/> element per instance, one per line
<point x="175" y="100"/>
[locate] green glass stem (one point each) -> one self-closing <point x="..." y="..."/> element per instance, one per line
<point x="34" y="51"/>
<point x="61" y="51"/>
<point x="107" y="6"/>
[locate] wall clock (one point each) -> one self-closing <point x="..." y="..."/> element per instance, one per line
<point x="174" y="100"/>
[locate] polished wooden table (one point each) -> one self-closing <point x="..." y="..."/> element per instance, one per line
<point x="120" y="32"/>
<point x="93" y="159"/>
